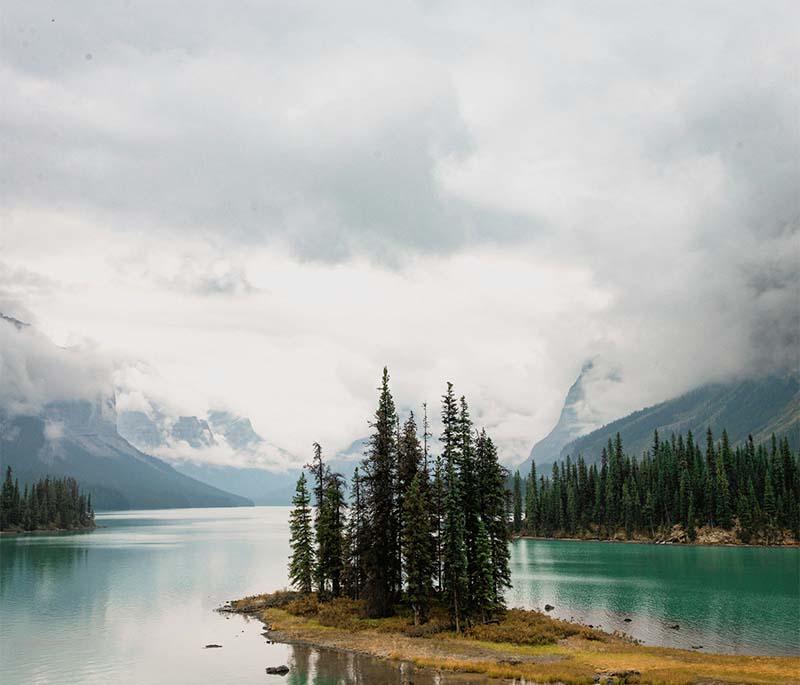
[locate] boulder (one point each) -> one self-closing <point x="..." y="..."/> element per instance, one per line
<point x="277" y="670"/>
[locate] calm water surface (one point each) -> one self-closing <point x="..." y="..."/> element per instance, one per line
<point x="133" y="601"/>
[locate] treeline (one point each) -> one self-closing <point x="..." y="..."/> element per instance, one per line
<point x="50" y="503"/>
<point x="412" y="529"/>
<point x="755" y="489"/>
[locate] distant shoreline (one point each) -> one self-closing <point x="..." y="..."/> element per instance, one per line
<point x="48" y="531"/>
<point x="666" y="543"/>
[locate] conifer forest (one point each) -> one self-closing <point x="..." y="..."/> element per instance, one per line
<point x="414" y="528"/>
<point x="47" y="504"/>
<point x="753" y="488"/>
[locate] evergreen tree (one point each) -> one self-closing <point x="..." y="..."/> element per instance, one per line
<point x="438" y="505"/>
<point x="483" y="594"/>
<point x="355" y="542"/>
<point x="456" y="580"/>
<point x="494" y="515"/>
<point x="380" y="467"/>
<point x="330" y="536"/>
<point x="302" y="562"/>
<point x="517" y="502"/>
<point x="418" y="548"/>
<point x="722" y="495"/>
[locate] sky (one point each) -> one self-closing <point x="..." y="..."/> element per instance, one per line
<point x="256" y="206"/>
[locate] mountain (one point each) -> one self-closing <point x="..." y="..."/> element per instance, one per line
<point x="58" y="417"/>
<point x="757" y="406"/>
<point x="578" y="417"/>
<point x="262" y="486"/>
<point x="221" y="449"/>
<point x="79" y="439"/>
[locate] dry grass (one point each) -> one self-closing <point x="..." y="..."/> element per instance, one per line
<point x="531" y="628"/>
<point x="524" y="644"/>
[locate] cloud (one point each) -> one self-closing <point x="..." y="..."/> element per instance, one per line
<point x="53" y="430"/>
<point x="34" y="372"/>
<point x="268" y="203"/>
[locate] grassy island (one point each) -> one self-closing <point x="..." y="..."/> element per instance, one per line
<point x="520" y="644"/>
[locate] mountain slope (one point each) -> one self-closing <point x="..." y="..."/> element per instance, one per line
<point x="117" y="474"/>
<point x="757" y="407"/>
<point x="58" y="417"/>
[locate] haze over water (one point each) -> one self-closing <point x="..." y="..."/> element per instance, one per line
<point x="133" y="601"/>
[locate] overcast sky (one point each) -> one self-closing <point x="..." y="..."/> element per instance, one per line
<point x="258" y="205"/>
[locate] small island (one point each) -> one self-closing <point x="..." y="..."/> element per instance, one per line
<point x="519" y="644"/>
<point x="414" y="566"/>
<point x="49" y="504"/>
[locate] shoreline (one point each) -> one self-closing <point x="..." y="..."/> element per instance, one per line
<point x="560" y="651"/>
<point x="660" y="543"/>
<point x="47" y="531"/>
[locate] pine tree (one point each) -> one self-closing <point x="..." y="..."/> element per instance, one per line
<point x="7" y="500"/>
<point x="356" y="543"/>
<point x="330" y="536"/>
<point x="455" y="572"/>
<point x="494" y="515"/>
<point x="380" y="468"/>
<point x="722" y="495"/>
<point x="483" y="595"/>
<point x="409" y="463"/>
<point x="418" y="548"/>
<point x="438" y="497"/>
<point x="302" y="562"/>
<point x="319" y="471"/>
<point x="531" y="502"/>
<point x="517" y="502"/>
<point x="455" y="551"/>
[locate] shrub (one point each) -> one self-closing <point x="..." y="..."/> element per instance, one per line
<point x="342" y="612"/>
<point x="256" y="603"/>
<point x="530" y="628"/>
<point x="426" y="629"/>
<point x="305" y="605"/>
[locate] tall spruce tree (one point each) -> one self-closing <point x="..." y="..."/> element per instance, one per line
<point x="418" y="549"/>
<point x="517" y="502"/>
<point x="380" y="468"/>
<point x="455" y="571"/>
<point x="330" y="536"/>
<point x="356" y="543"/>
<point x="494" y="514"/>
<point x="301" y="540"/>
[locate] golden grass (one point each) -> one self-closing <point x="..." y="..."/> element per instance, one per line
<point x="524" y="645"/>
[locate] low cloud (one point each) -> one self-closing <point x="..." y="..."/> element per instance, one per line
<point x="53" y="430"/>
<point x="268" y="205"/>
<point x="35" y="372"/>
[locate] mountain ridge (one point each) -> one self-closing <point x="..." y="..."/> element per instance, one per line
<point x="757" y="406"/>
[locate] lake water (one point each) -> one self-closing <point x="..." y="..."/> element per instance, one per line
<point x="132" y="602"/>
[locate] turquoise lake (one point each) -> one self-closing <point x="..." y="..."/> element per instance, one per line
<point x="133" y="602"/>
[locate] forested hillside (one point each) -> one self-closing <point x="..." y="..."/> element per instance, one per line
<point x="758" y="407"/>
<point x="752" y="490"/>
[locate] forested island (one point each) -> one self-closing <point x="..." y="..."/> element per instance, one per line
<point x="420" y="549"/>
<point x="48" y="504"/>
<point x="675" y="492"/>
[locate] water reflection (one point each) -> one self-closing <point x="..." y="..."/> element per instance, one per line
<point x="313" y="666"/>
